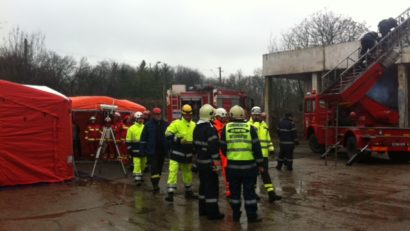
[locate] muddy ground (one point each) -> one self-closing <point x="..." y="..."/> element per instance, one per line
<point x="369" y="196"/>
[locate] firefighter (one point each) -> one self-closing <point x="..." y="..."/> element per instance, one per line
<point x="155" y="145"/>
<point x="267" y="148"/>
<point x="287" y="141"/>
<point x="180" y="134"/>
<point x="92" y="136"/>
<point x="134" y="144"/>
<point x="147" y="116"/>
<point x="367" y="42"/>
<point x="240" y="144"/>
<point x="386" y="25"/>
<point x="206" y="144"/>
<point x="219" y="122"/>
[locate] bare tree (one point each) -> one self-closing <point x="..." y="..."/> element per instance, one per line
<point x="321" y="29"/>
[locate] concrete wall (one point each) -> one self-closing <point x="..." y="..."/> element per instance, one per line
<point x="310" y="60"/>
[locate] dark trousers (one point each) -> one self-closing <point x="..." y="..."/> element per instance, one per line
<point x="286" y="154"/>
<point x="267" y="181"/>
<point x="236" y="183"/>
<point x="208" y="192"/>
<point x="157" y="162"/>
<point x="366" y="44"/>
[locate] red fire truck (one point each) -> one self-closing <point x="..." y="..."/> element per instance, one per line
<point x="357" y="106"/>
<point x="178" y="95"/>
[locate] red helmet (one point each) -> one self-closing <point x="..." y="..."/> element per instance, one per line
<point x="156" y="110"/>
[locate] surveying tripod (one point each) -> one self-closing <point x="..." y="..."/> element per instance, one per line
<point x="107" y="133"/>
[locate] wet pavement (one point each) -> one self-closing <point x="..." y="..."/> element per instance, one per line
<point x="371" y="196"/>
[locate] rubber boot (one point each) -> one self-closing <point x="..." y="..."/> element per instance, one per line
<point x="289" y="165"/>
<point x="273" y="197"/>
<point x="202" y="207"/>
<point x="254" y="219"/>
<point x="155" y="186"/>
<point x="190" y="195"/>
<point x="170" y="197"/>
<point x="212" y="211"/>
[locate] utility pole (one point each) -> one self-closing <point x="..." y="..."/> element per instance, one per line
<point x="220" y="75"/>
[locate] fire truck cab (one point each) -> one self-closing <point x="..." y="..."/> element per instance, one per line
<point x="197" y="96"/>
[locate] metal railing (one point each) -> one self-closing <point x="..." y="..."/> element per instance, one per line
<point x="353" y="66"/>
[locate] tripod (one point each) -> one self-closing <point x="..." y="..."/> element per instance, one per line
<point x="107" y="131"/>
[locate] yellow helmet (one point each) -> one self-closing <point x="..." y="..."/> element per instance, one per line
<point x="186" y="109"/>
<point x="237" y="112"/>
<point x="206" y="112"/>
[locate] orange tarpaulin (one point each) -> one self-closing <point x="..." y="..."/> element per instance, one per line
<point x="81" y="103"/>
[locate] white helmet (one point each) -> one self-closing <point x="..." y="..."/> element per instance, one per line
<point x="256" y="110"/>
<point x="138" y="115"/>
<point x="206" y="112"/>
<point x="237" y="112"/>
<point x="221" y="112"/>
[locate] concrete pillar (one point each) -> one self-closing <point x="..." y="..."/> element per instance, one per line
<point x="267" y="95"/>
<point x="307" y="84"/>
<point x="315" y="81"/>
<point x="403" y="96"/>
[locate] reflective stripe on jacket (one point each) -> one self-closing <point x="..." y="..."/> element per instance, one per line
<point x="133" y="139"/>
<point x="264" y="136"/>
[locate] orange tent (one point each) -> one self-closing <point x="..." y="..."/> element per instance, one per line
<point x="90" y="103"/>
<point x="83" y="107"/>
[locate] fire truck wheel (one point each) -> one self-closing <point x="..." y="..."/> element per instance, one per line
<point x="399" y="156"/>
<point x="315" y="146"/>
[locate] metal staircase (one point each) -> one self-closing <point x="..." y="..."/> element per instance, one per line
<point x="349" y="71"/>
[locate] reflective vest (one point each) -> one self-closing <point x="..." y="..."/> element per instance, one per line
<point x="239" y="141"/>
<point x="134" y="137"/>
<point x="264" y="136"/>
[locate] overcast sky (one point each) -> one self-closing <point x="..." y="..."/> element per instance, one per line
<point x="201" y="34"/>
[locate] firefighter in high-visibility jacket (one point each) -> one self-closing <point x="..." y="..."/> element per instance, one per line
<point x="221" y="118"/>
<point x="206" y="144"/>
<point x="287" y="140"/>
<point x="134" y="144"/>
<point x="240" y="144"/>
<point x="92" y="135"/>
<point x="267" y="148"/>
<point x="180" y="134"/>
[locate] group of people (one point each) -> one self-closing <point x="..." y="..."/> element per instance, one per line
<point x="119" y="124"/>
<point x="369" y="40"/>
<point x="219" y="143"/>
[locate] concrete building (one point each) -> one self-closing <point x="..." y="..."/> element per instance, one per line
<point x="310" y="64"/>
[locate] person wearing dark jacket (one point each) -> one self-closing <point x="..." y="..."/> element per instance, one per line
<point x="386" y="25"/>
<point x="206" y="145"/>
<point x="241" y="146"/>
<point x="287" y="140"/>
<point x="155" y="145"/>
<point x="367" y="42"/>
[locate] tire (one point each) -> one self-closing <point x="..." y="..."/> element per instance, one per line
<point x="315" y="146"/>
<point x="399" y="157"/>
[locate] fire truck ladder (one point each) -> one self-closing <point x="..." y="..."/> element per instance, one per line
<point x="354" y="76"/>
